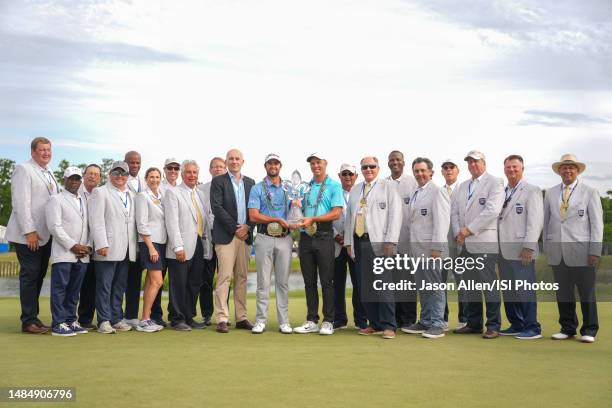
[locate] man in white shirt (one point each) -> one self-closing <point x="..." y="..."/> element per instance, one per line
<point x="32" y="184"/>
<point x="371" y="230"/>
<point x="405" y="302"/>
<point x="474" y="212"/>
<point x="573" y="237"/>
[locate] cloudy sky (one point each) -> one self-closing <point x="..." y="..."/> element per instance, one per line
<point x="192" y="79"/>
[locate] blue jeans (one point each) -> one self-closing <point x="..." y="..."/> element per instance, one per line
<point x="66" y="281"/>
<point x="111" y="282"/>
<point x="521" y="305"/>
<point x="432" y="301"/>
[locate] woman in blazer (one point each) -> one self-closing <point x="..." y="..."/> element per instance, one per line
<point x="151" y="244"/>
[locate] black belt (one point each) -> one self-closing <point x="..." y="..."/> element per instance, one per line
<point x="263" y="229"/>
<point x="324" y="226"/>
<point x="364" y="236"/>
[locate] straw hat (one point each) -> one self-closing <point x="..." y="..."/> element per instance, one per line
<point x="568" y="159"/>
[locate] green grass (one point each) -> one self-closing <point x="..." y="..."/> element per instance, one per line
<point x="203" y="368"/>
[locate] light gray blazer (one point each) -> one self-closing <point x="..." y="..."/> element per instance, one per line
<point x="110" y="224"/>
<point x="581" y="233"/>
<point x="30" y="192"/>
<point x="182" y="223"/>
<point x="150" y="218"/>
<point x="383" y="214"/>
<point x="405" y="188"/>
<point x="143" y="185"/>
<point x="452" y="245"/>
<point x="429" y="220"/>
<point x="480" y="215"/>
<point x="68" y="226"/>
<point x="520" y="223"/>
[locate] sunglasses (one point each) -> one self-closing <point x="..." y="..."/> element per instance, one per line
<point x="448" y="167"/>
<point x="175" y="168"/>
<point x="347" y="174"/>
<point x="368" y="166"/>
<point x="118" y="173"/>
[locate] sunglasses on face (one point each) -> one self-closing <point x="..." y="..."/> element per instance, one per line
<point x="118" y="173"/>
<point x="175" y="168"/>
<point x="347" y="174"/>
<point x="448" y="167"/>
<point x="368" y="166"/>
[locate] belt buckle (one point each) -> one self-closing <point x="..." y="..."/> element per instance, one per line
<point x="274" y="229"/>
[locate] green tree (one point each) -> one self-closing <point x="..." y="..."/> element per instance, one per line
<point x="106" y="168"/>
<point x="6" y="170"/>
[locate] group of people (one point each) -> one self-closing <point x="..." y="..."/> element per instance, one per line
<point x="99" y="240"/>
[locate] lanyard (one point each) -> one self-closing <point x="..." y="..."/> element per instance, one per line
<point x="319" y="196"/>
<point x="509" y="197"/>
<point x="414" y="197"/>
<point x="269" y="205"/>
<point x="125" y="203"/>
<point x="364" y="197"/>
<point x="571" y="192"/>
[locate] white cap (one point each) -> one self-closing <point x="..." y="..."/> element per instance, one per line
<point x="72" y="171"/>
<point x="448" y="161"/>
<point x="314" y="156"/>
<point x="171" y="160"/>
<point x="272" y="156"/>
<point x="349" y="167"/>
<point x="474" y="154"/>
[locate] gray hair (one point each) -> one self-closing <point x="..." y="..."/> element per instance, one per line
<point x="186" y="163"/>
<point x="423" y="160"/>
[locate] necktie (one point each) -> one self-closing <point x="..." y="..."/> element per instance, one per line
<point x="360" y="220"/>
<point x="449" y="191"/>
<point x="565" y="202"/>
<point x="198" y="214"/>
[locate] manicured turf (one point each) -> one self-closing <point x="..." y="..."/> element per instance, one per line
<point x="206" y="369"/>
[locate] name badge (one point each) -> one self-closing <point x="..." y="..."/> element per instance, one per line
<point x="482" y="201"/>
<point x="581" y="213"/>
<point x="423" y="211"/>
<point x="382" y="205"/>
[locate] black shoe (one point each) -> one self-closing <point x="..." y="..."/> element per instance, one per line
<point x="206" y="320"/>
<point x="159" y="322"/>
<point x="340" y="325"/>
<point x="244" y="324"/>
<point x="197" y="325"/>
<point x="181" y="326"/>
<point x="467" y="330"/>
<point x="88" y="326"/>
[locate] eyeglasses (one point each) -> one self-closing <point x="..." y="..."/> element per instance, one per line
<point x="119" y="173"/>
<point x="175" y="168"/>
<point x="448" y="167"/>
<point x="347" y="174"/>
<point x="369" y="166"/>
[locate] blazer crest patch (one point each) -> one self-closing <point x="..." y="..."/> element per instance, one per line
<point x="482" y="201"/>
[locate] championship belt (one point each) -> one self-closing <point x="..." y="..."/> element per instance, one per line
<point x="312" y="229"/>
<point x="274" y="229"/>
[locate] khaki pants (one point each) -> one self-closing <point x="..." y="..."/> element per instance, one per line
<point x="233" y="261"/>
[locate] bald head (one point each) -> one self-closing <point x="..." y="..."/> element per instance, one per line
<point x="234" y="161"/>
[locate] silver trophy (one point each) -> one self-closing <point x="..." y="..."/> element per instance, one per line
<point x="296" y="190"/>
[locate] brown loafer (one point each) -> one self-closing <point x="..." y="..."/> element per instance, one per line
<point x="388" y="334"/>
<point x="244" y="325"/>
<point x="41" y="324"/>
<point x="222" y="327"/>
<point x="368" y="331"/>
<point x="490" y="334"/>
<point x="33" y="329"/>
<point x="467" y="330"/>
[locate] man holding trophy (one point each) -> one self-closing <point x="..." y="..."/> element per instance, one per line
<point x="269" y="207"/>
<point x="322" y="204"/>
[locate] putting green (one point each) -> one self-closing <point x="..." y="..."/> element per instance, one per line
<point x="207" y="369"/>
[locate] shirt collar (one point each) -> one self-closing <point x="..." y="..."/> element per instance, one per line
<point x="125" y="190"/>
<point x="234" y="177"/>
<point x="478" y="179"/>
<point x="44" y="169"/>
<point x="571" y="186"/>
